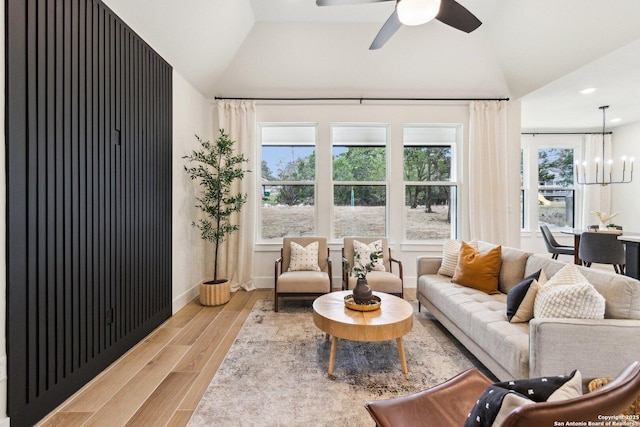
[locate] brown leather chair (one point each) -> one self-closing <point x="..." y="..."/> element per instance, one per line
<point x="449" y="403"/>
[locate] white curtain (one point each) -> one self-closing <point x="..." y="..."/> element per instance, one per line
<point x="595" y="197"/>
<point x="488" y="187"/>
<point x="237" y="118"/>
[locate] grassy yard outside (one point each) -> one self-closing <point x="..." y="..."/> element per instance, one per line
<point x="279" y="221"/>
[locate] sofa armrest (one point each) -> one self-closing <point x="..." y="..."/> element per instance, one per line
<point x="427" y="265"/>
<point x="596" y="347"/>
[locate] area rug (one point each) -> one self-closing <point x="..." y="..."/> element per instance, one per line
<point x="275" y="373"/>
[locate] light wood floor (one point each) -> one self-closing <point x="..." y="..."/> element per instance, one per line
<point x="160" y="381"/>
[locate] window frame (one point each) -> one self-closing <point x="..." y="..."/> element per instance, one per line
<point x="386" y="182"/>
<point x="454" y="178"/>
<point x="260" y="183"/>
<point x="530" y="146"/>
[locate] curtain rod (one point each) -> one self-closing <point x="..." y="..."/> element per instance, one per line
<point x="565" y="133"/>
<point x="361" y="99"/>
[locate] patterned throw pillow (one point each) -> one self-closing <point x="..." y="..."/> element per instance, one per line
<point x="450" y="255"/>
<point x="304" y="258"/>
<point x="500" y="399"/>
<point x="568" y="294"/>
<point x="522" y="296"/>
<point x="362" y="255"/>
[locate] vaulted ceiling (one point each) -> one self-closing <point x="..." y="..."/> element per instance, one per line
<point x="541" y="52"/>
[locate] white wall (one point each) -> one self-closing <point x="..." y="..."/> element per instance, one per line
<point x="395" y="115"/>
<point x="192" y="114"/>
<point x="625" y="198"/>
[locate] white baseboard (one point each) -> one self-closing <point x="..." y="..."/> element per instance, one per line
<point x="185" y="298"/>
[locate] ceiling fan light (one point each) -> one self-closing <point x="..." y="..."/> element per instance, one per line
<point x="417" y="12"/>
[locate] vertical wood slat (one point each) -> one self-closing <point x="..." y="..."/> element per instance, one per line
<point x="87" y="236"/>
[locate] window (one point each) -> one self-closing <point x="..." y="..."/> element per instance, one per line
<point x="430" y="185"/>
<point x="288" y="175"/>
<point x="555" y="187"/>
<point x="359" y="180"/>
<point x="548" y="195"/>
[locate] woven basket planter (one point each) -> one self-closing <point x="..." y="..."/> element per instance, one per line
<point x="215" y="294"/>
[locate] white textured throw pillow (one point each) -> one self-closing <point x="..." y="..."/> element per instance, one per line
<point x="304" y="258"/>
<point x="450" y="255"/>
<point x="568" y="294"/>
<point x="364" y="251"/>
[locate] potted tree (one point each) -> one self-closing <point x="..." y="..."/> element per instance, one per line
<point x="216" y="169"/>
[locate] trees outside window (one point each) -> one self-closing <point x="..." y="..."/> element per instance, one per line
<point x="548" y="193"/>
<point x="288" y="174"/>
<point x="353" y="179"/>
<point x="430" y="185"/>
<point x="555" y="187"/>
<point x="359" y="180"/>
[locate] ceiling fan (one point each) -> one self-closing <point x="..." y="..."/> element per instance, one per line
<point x="416" y="12"/>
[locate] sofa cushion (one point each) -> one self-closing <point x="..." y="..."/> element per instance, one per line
<point x="303" y="281"/>
<point x="482" y="317"/>
<point x="521" y="297"/>
<point x="622" y="293"/>
<point x="478" y="270"/>
<point x="380" y="281"/>
<point x="512" y="269"/>
<point x="450" y="255"/>
<point x="518" y="293"/>
<point x="304" y="258"/>
<point x="568" y="294"/>
<point x="362" y="255"/>
<point x="493" y="406"/>
<point x="498" y="400"/>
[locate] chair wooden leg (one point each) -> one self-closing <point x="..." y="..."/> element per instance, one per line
<point x="554" y="256"/>
<point x="275" y="302"/>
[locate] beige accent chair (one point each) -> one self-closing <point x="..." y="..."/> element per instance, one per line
<point x="381" y="281"/>
<point x="302" y="283"/>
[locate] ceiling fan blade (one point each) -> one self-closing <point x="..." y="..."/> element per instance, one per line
<point x="454" y="14"/>
<point x="388" y="29"/>
<point x="344" y="2"/>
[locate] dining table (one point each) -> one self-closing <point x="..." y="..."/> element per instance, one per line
<point x="632" y="254"/>
<point x="577" y="233"/>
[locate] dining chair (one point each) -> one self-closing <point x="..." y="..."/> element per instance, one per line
<point x="602" y="248"/>
<point x="553" y="246"/>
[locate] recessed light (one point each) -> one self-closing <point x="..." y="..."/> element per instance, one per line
<point x="616" y="120"/>
<point x="588" y="90"/>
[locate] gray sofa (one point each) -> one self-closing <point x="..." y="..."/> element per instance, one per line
<point x="598" y="348"/>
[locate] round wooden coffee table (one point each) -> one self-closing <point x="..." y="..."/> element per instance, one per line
<point x="393" y="320"/>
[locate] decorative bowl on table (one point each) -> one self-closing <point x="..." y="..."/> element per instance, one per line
<point x="373" y="304"/>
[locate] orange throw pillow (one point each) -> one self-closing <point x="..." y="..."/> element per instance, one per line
<point x="478" y="270"/>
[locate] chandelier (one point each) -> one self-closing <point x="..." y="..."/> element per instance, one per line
<point x="604" y="173"/>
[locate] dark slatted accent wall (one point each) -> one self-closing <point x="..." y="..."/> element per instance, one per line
<point x="89" y="115"/>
